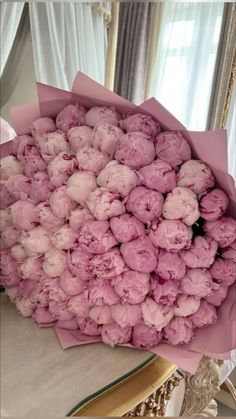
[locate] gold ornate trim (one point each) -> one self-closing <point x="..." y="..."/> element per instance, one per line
<point x="229" y="92"/>
<point x="155" y="405"/>
<point x="123" y="397"/>
<point x="221" y="86"/>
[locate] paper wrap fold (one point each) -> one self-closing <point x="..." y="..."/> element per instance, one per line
<point x="216" y="340"/>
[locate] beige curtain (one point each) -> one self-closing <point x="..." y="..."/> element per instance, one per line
<point x="15" y="60"/>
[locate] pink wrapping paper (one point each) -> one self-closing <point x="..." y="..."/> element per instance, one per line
<point x="211" y="146"/>
<point x="7" y="133"/>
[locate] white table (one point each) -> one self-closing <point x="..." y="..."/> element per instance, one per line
<point x="38" y="377"/>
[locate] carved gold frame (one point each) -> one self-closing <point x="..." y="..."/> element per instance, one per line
<point x="121" y="398"/>
<point x="225" y="70"/>
<point x="229" y="92"/>
<point x="146" y="393"/>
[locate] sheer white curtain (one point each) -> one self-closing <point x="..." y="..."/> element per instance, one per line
<point x="184" y="66"/>
<point x="67" y="37"/>
<point x="10" y="15"/>
<point x="231" y="127"/>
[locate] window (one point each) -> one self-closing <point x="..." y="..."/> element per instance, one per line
<point x="185" y="61"/>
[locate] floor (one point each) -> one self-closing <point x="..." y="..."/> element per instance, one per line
<point x="224" y="410"/>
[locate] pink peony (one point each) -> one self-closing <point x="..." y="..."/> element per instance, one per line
<point x="222" y="230"/>
<point x="101" y="314"/>
<point x="56" y="293"/>
<point x="195" y="175"/>
<point x="141" y="122"/>
<point x="172" y="148"/>
<point x="9" y="270"/>
<point x="197" y="282"/>
<point x="36" y="242"/>
<point x="32" y="269"/>
<point x="223" y="271"/>
<point x="60" y="310"/>
<point x="33" y="161"/>
<point x="179" y="331"/>
<point x="96" y="237"/>
<point x="105" y="137"/>
<point x="79" y="217"/>
<point x="181" y="204"/>
<point x="61" y="168"/>
<point x="27" y="288"/>
<point x="71" y="285"/>
<point x="19" y="143"/>
<point x="101" y="292"/>
<point x="70" y="116"/>
<point x="5" y="219"/>
<point x="10" y="166"/>
<point x="98" y="114"/>
<point x="79" y="305"/>
<point x="172" y="235"/>
<point x="213" y="205"/>
<point x="24" y="305"/>
<point x="91" y="160"/>
<point x="64" y="238"/>
<point x="40" y="188"/>
<point x="79" y="137"/>
<point x="201" y="254"/>
<point x="43" y="316"/>
<point x="156" y="315"/>
<point x="47" y="219"/>
<point x="108" y="265"/>
<point x="61" y="204"/>
<point x="132" y="286"/>
<point x="6" y="198"/>
<point x="229" y="252"/>
<point x="170" y="265"/>
<point x="42" y="126"/>
<point x="139" y="254"/>
<point x="55" y="143"/>
<point x="55" y="262"/>
<point x="144" y="336"/>
<point x="186" y="305"/>
<point x="18" y="252"/>
<point x="11" y="293"/>
<point x="164" y="292"/>
<point x="112" y="334"/>
<point x="135" y="150"/>
<point x="218" y="295"/>
<point x="126" y="314"/>
<point x="159" y="176"/>
<point x="126" y="228"/>
<point x="117" y="178"/>
<point x="205" y="315"/>
<point x="79" y="186"/>
<point x="18" y="186"/>
<point x="24" y="215"/>
<point x="89" y="327"/>
<point x="40" y="293"/>
<point x="79" y="264"/>
<point x="104" y="204"/>
<point x="146" y="205"/>
<point x="9" y="237"/>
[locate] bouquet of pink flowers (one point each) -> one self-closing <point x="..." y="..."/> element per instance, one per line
<point x="116" y="222"/>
